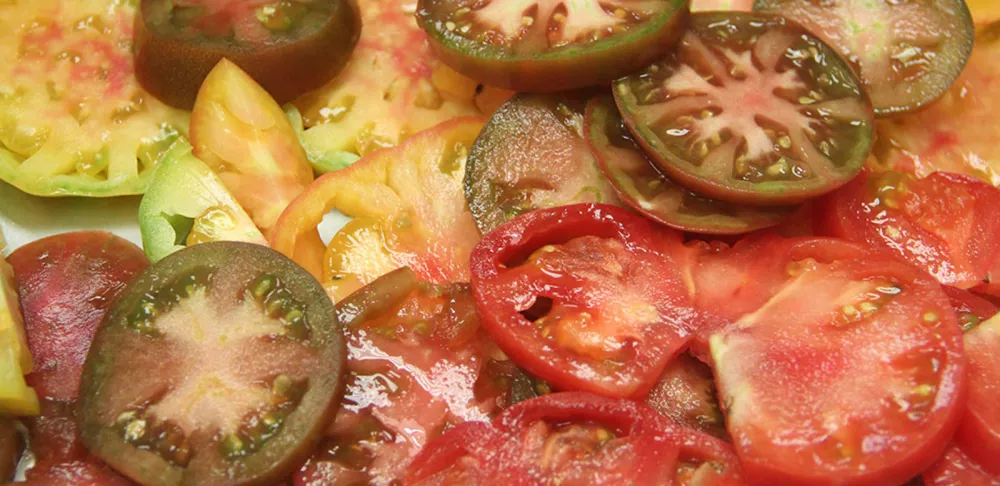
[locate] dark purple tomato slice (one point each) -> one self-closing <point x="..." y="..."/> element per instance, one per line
<point x="220" y="365"/>
<point x="908" y="52"/>
<point x="543" y="45"/>
<point x="686" y="395"/>
<point x="648" y="191"/>
<point x="288" y="46"/>
<point x="532" y="155"/>
<point x="750" y="109"/>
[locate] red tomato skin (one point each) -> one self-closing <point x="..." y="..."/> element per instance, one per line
<point x="954" y="235"/>
<point x="67" y="283"/>
<point x="979" y="433"/>
<point x="956" y="468"/>
<point x="966" y="302"/>
<point x="518" y="337"/>
<point x="81" y="472"/>
<point x="435" y="465"/>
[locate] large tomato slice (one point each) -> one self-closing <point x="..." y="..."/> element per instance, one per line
<point x="750" y="109"/>
<point x="853" y="373"/>
<point x="947" y="224"/>
<point x="408" y="208"/>
<point x="956" y="468"/>
<point x="73" y="119"/>
<point x="979" y="434"/>
<point x="586" y="297"/>
<point x="60" y="458"/>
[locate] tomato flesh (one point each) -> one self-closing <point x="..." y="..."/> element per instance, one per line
<point x="685" y="393"/>
<point x="970" y="308"/>
<point x="907" y="53"/>
<point x="979" y="434"/>
<point x="750" y="109"/>
<point x="532" y="155"/>
<point x="645" y="189"/>
<point x="955" y="468"/>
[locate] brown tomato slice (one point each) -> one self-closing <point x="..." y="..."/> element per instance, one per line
<point x="750" y="109"/>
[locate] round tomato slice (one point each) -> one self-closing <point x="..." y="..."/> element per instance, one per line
<point x="907" y="53"/>
<point x="550" y="45"/>
<point x="750" y="109"/>
<point x="587" y="297"/>
<point x="979" y="434"/>
<point x="417" y="364"/>
<point x="685" y="394"/>
<point x="532" y="155"/>
<point x="956" y="468"/>
<point x="853" y="373"/>
<point x="289" y="47"/>
<point x="646" y="190"/>
<point x="947" y="224"/>
<point x="220" y="365"/>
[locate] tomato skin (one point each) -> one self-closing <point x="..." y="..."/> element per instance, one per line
<point x="948" y="224"/>
<point x="956" y="468"/>
<point x="78" y="473"/>
<point x="502" y="293"/>
<point x="979" y="434"/>
<point x="67" y="283"/>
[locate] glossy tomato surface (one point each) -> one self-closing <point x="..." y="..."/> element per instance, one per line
<point x="685" y="394"/>
<point x="956" y="468"/>
<point x="587" y="297"/>
<point x="979" y="434"/>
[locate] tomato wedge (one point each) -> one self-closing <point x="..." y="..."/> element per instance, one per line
<point x="531" y="155"/>
<point x="955" y="468"/>
<point x="750" y="109"/>
<point x="947" y="224"/>
<point x="646" y="190"/>
<point x="907" y="53"/>
<point x="979" y="434"/>
<point x="853" y="373"/>
<point x="587" y="297"/>
<point x="541" y="45"/>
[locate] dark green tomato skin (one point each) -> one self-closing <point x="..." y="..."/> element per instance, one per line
<point x="530" y="155"/>
<point x="172" y="65"/>
<point x="301" y="428"/>
<point x="556" y="69"/>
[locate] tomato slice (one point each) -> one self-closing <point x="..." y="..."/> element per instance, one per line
<point x="245" y="137"/>
<point x="67" y="283"/>
<point x="645" y="189"/>
<point x="852" y="373"/>
<point x="704" y="460"/>
<point x="408" y="208"/>
<point x="288" y="47"/>
<point x="907" y="53"/>
<point x="221" y="365"/>
<point x="544" y="45"/>
<point x="947" y="224"/>
<point x="452" y="458"/>
<point x="418" y="363"/>
<point x="956" y="468"/>
<point x="586" y="297"/>
<point x="970" y="308"/>
<point x="750" y="109"/>
<point x="979" y="434"/>
<point x="532" y="155"/>
<point x="685" y="393"/>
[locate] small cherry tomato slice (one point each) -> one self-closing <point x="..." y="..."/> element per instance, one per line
<point x="67" y="283"/>
<point x="979" y="434"/>
<point x="907" y="53"/>
<point x="587" y="297"/>
<point x="947" y="224"/>
<point x="646" y="190"/>
<point x="550" y="45"/>
<point x="531" y="155"/>
<point x="418" y="363"/>
<point x="289" y="47"/>
<point x="220" y="365"/>
<point x="750" y="109"/>
<point x="853" y="373"/>
<point x="685" y="394"/>
<point x="970" y="308"/>
<point x="956" y="468"/>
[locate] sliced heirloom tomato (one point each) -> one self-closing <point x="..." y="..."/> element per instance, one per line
<point x="685" y="394"/>
<point x="550" y="45"/>
<point x="418" y="364"/>
<point x="907" y="52"/>
<point x="853" y="373"/>
<point x="947" y="224"/>
<point x="73" y="119"/>
<point x="532" y="155"/>
<point x="586" y="297"/>
<point x="453" y="458"/>
<point x="955" y="468"/>
<point x="646" y="190"/>
<point x="67" y="284"/>
<point x="979" y="434"/>
<point x="221" y="365"/>
<point x="245" y="137"/>
<point x="970" y="308"/>
<point x="750" y="109"/>
<point x="289" y="47"/>
<point x="408" y="208"/>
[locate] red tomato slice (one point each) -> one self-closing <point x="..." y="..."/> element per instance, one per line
<point x="955" y="468"/>
<point x="453" y="458"/>
<point x="66" y="284"/>
<point x="979" y="434"/>
<point x="970" y="308"/>
<point x="704" y="460"/>
<point x="586" y="297"/>
<point x="947" y="224"/>
<point x="853" y="373"/>
<point x="60" y="456"/>
<point x="78" y="473"/>
<point x="685" y="394"/>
